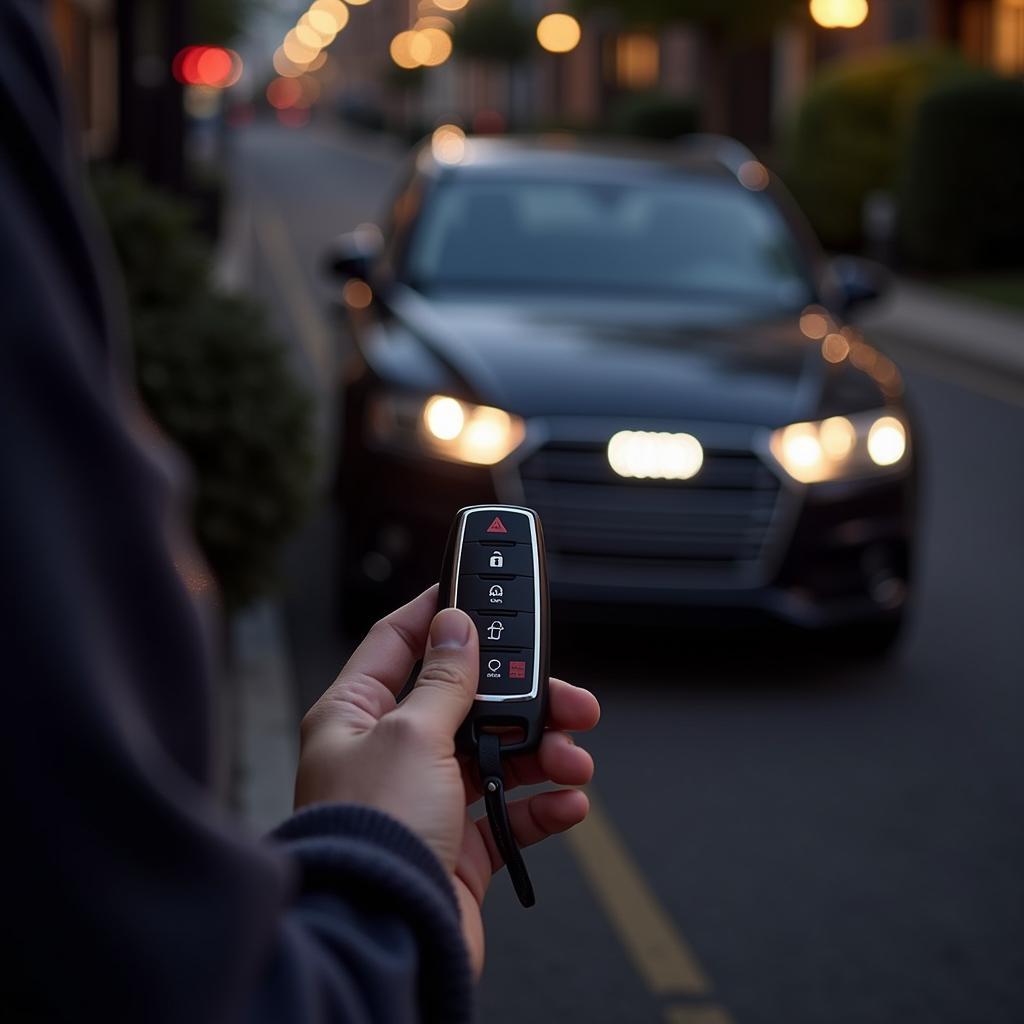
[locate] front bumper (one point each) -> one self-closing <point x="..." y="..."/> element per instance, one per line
<point x="743" y="544"/>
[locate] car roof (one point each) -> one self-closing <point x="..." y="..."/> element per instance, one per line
<point x="574" y="157"/>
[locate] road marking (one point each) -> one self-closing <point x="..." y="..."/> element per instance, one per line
<point x="283" y="261"/>
<point x="660" y="953"/>
<point x="695" y="1014"/>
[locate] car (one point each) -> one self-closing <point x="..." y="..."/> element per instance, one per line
<point x="650" y="348"/>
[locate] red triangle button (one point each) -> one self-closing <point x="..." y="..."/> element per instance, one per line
<point x="497" y="526"/>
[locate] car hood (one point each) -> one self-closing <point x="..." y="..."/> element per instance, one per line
<point x="637" y="359"/>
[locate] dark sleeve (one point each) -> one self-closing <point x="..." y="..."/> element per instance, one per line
<point x="128" y="895"/>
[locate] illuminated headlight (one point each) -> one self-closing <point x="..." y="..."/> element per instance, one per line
<point x="840" y="447"/>
<point x="646" y="455"/>
<point x="448" y="428"/>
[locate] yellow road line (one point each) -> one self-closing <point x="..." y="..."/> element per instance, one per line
<point x="705" y="1014"/>
<point x="660" y="953"/>
<point x="283" y="262"/>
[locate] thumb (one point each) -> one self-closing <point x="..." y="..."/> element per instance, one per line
<point x="447" y="683"/>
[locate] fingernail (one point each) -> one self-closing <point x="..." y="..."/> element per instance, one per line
<point x="450" y="628"/>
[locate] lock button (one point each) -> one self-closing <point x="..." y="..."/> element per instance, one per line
<point x="496" y="559"/>
<point x="486" y="593"/>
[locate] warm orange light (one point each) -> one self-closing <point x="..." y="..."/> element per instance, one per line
<point x="328" y="16"/>
<point x="449" y="5"/>
<point x="558" y="33"/>
<point x="438" y="45"/>
<point x="814" y="323"/>
<point x="401" y="50"/>
<point x="283" y="93"/>
<point x="296" y="50"/>
<point x="835" y="348"/>
<point x="448" y="144"/>
<point x="839" y="13"/>
<point x="753" y="175"/>
<point x="433" y="21"/>
<point x="309" y="36"/>
<point x="357" y="294"/>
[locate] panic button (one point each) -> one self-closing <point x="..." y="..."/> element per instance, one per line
<point x="506" y="525"/>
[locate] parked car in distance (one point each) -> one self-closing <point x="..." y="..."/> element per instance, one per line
<point x="648" y="347"/>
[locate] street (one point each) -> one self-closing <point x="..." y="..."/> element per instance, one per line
<point x="779" y="835"/>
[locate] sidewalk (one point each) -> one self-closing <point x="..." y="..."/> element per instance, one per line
<point x="934" y="320"/>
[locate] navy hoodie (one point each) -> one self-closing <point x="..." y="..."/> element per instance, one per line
<point x="127" y="892"/>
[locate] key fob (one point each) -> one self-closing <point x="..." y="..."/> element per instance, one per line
<point x="495" y="569"/>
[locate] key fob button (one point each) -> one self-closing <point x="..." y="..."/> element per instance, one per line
<point x="504" y="630"/>
<point x="497" y="559"/>
<point x="506" y="673"/>
<point x="494" y="525"/>
<point x="483" y="593"/>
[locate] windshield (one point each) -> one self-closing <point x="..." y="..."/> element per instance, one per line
<point x="668" y="238"/>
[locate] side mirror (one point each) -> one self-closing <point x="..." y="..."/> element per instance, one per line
<point x="859" y="280"/>
<point x="353" y="254"/>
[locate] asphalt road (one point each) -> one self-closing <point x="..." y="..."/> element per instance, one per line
<point x="782" y="834"/>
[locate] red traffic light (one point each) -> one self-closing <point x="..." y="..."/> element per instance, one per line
<point x="212" y="66"/>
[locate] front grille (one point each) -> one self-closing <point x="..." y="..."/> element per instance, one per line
<point x="717" y="522"/>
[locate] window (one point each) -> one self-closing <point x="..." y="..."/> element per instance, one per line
<point x="637" y="61"/>
<point x="664" y="236"/>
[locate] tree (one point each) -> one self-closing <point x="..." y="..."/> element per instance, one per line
<point x="496" y="35"/>
<point x="493" y="31"/>
<point x="720" y="22"/>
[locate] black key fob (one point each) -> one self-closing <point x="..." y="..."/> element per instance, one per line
<point x="495" y="569"/>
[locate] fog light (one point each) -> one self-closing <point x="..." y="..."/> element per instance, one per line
<point x="647" y="455"/>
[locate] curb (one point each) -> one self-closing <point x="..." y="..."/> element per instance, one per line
<point x="929" y="320"/>
<point x="266" y="718"/>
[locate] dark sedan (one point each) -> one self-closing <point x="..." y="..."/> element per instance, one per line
<point x="649" y="348"/>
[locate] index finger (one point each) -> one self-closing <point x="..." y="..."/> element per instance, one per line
<point x="394" y="644"/>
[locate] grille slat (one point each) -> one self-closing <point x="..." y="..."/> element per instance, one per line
<point x="719" y="521"/>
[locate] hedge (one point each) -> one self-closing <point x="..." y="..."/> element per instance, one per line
<point x="851" y="129"/>
<point x="218" y="382"/>
<point x="962" y="191"/>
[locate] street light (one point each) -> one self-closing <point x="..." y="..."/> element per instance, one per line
<point x="839" y="13"/>
<point x="558" y="33"/>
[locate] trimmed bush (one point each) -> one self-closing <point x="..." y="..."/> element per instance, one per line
<point x="962" y="194"/>
<point x="219" y="384"/>
<point x="494" y="31"/>
<point x="850" y="133"/>
<point x="653" y="115"/>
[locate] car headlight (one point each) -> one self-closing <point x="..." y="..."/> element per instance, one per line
<point x="841" y="447"/>
<point x="480" y="435"/>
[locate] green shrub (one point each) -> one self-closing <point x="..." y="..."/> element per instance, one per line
<point x="962" y="194"/>
<point x="494" y="31"/>
<point x="849" y="137"/>
<point x="216" y="380"/>
<point x="653" y="115"/>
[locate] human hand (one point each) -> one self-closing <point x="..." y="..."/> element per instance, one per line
<point x="360" y="746"/>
